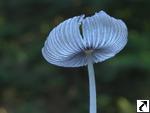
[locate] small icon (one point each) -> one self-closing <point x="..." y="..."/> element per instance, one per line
<point x="142" y="105"/>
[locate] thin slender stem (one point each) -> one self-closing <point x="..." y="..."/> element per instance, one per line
<point x="92" y="86"/>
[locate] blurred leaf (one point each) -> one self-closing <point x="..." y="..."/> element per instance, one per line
<point x="125" y="106"/>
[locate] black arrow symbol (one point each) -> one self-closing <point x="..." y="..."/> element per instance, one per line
<point x="144" y="103"/>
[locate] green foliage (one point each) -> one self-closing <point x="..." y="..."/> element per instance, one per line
<point x="28" y="84"/>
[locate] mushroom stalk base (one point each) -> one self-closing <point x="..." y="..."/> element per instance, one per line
<point x="92" y="86"/>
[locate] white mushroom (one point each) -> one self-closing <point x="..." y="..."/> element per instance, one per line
<point x="81" y="41"/>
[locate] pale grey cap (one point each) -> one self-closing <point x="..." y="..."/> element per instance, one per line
<point x="66" y="46"/>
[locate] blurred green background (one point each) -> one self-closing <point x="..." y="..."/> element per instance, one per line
<point x="28" y="84"/>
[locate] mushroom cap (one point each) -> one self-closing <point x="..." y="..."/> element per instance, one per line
<point x="69" y="42"/>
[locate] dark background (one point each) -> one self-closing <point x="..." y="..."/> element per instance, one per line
<point x="28" y="84"/>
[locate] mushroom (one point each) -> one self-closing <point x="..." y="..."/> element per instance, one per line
<point x="83" y="41"/>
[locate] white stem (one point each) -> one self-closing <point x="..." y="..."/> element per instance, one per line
<point x="92" y="86"/>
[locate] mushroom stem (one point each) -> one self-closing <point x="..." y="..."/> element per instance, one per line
<point x="92" y="86"/>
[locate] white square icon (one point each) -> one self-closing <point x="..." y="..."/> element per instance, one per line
<point x="143" y="106"/>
